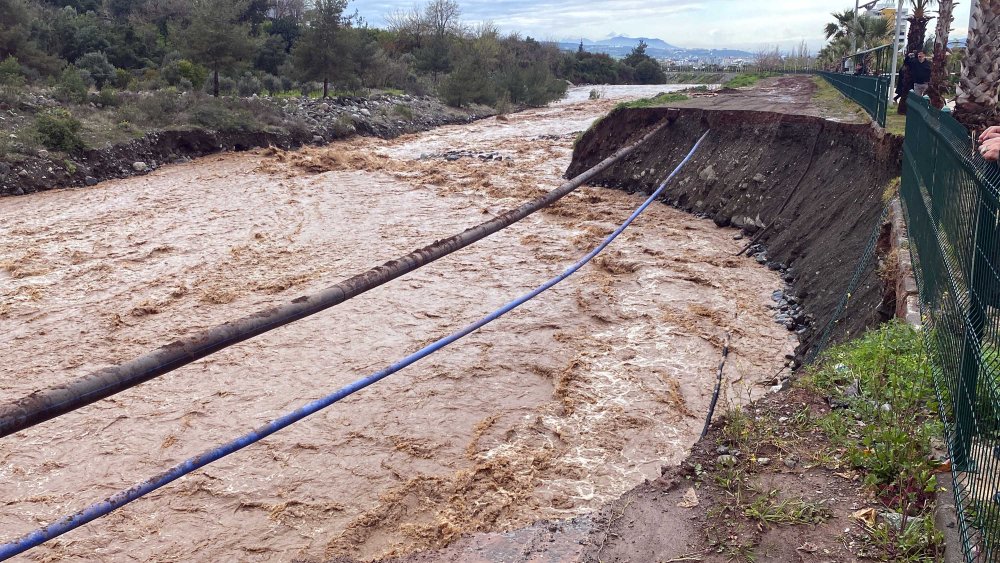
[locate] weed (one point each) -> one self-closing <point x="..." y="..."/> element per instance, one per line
<point x="833" y="103"/>
<point x="107" y="98"/>
<point x="766" y="509"/>
<point x="913" y="540"/>
<point x="885" y="430"/>
<point x="403" y="111"/>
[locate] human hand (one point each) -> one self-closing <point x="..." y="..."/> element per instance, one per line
<point x="991" y="148"/>
<point x="990" y="133"/>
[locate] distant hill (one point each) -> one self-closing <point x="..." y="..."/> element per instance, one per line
<point x="630" y="42"/>
<point x="620" y="46"/>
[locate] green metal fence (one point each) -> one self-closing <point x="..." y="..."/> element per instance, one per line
<point x="952" y="201"/>
<point x="870" y="92"/>
<point x="867" y="81"/>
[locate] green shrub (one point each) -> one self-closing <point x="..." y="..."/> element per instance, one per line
<point x="214" y="114"/>
<point x="176" y="71"/>
<point x="227" y="86"/>
<point x="122" y="78"/>
<point x="101" y="71"/>
<point x="107" y="98"/>
<point x="10" y="95"/>
<point x="11" y="73"/>
<point x="248" y="85"/>
<point x="59" y="130"/>
<point x="159" y="108"/>
<point x="272" y="84"/>
<point x="71" y="86"/>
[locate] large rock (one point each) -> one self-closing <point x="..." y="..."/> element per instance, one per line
<point x="708" y="175"/>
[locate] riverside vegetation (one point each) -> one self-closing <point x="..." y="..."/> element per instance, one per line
<point x="865" y="415"/>
<point x="79" y="74"/>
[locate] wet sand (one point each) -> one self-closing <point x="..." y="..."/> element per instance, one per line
<point x="558" y="407"/>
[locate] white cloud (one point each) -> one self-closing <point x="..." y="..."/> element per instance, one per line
<point x="744" y="24"/>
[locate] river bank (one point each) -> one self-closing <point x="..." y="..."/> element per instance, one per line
<point x="182" y="126"/>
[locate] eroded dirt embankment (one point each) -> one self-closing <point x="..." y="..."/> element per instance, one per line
<point x="291" y="123"/>
<point x="796" y="181"/>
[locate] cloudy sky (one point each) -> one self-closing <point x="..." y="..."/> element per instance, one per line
<point x="741" y="24"/>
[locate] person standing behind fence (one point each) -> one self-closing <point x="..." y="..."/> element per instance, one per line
<point x="920" y="72"/>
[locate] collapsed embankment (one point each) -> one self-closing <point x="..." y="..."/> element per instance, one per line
<point x="795" y="183"/>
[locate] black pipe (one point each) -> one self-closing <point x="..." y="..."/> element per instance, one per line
<point x="49" y="403"/>
<point x="718" y="386"/>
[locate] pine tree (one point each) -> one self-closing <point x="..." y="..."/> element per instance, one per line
<point x="320" y="53"/>
<point x="216" y="38"/>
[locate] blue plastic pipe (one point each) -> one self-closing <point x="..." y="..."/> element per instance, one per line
<point x="122" y="498"/>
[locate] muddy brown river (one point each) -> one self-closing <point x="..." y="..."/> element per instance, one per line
<point x="553" y="410"/>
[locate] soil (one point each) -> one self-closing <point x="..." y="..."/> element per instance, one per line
<point x="782" y="94"/>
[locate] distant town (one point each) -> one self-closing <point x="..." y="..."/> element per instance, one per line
<point x="668" y="55"/>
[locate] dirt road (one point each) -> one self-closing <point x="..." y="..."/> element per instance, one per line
<point x="550" y="412"/>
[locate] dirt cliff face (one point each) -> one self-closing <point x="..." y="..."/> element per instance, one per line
<point x="811" y="191"/>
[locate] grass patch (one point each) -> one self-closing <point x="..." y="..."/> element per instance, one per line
<point x="834" y="104"/>
<point x="749" y="79"/>
<point x="403" y="110"/>
<point x="658" y="100"/>
<point x="895" y="123"/>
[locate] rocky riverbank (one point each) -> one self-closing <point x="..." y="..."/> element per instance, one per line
<point x="300" y="121"/>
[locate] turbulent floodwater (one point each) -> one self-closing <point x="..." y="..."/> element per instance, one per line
<point x="556" y="408"/>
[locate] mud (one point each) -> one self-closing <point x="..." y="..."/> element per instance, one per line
<point x="549" y="413"/>
<point x="782" y="94"/>
<point x="794" y="177"/>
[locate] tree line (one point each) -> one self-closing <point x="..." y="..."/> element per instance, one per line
<point x="246" y="47"/>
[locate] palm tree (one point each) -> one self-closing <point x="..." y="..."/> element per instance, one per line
<point x="870" y="32"/>
<point x="914" y="42"/>
<point x="977" y="90"/>
<point x="873" y="31"/>
<point x="840" y="27"/>
<point x="939" y="65"/>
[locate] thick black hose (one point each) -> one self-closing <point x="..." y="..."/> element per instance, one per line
<point x="718" y="387"/>
<point x="49" y="403"/>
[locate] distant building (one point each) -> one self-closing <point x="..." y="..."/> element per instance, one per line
<point x="887" y="9"/>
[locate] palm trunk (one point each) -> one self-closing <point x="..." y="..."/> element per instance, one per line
<point x="326" y="88"/>
<point x="977" y="92"/>
<point x="939" y="69"/>
<point x="215" y="83"/>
